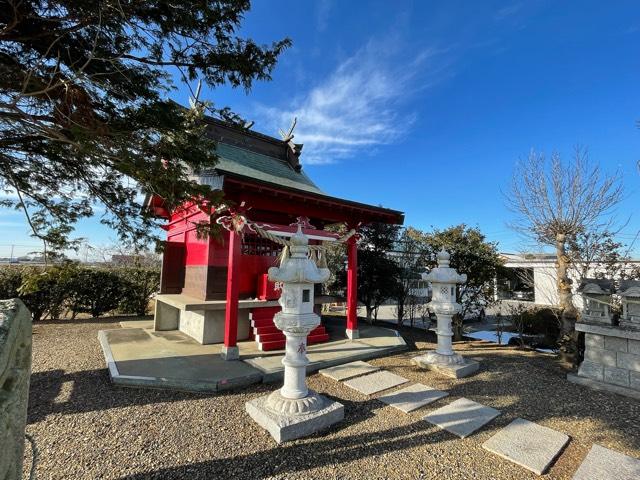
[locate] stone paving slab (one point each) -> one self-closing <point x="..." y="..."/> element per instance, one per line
<point x="375" y="382"/>
<point x="605" y="464"/>
<point x="348" y="370"/>
<point x="527" y="444"/>
<point x="462" y="417"/>
<point x="412" y="397"/>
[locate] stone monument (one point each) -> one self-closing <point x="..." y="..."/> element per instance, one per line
<point x="295" y="411"/>
<point x="443" y="285"/>
<point x="629" y="292"/>
<point x="15" y="371"/>
<point x="611" y="352"/>
<point x="596" y="294"/>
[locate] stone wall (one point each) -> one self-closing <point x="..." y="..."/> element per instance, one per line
<point x="612" y="356"/>
<point x="15" y="370"/>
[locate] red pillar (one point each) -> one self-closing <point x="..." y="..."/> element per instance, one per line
<point x="230" y="348"/>
<point x="352" y="288"/>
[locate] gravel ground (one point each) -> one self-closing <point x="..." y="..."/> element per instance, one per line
<point x="86" y="428"/>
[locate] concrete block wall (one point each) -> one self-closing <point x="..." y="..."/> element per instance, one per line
<point x="613" y="360"/>
<point x="15" y="371"/>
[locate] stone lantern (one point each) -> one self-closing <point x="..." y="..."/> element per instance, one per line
<point x="443" y="285"/>
<point x="630" y="296"/>
<point x="295" y="411"/>
<point x="596" y="294"/>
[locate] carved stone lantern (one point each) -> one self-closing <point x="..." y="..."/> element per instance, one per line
<point x="295" y="411"/>
<point x="596" y="294"/>
<point x="444" y="281"/>
<point x="630" y="296"/>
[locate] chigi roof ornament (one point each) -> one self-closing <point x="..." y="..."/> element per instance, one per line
<point x="295" y="149"/>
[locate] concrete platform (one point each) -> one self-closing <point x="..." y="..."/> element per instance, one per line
<point x="138" y="356"/>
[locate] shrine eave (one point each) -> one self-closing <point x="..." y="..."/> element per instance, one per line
<point x="268" y="196"/>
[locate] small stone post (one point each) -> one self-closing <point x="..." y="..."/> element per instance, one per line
<point x="443" y="285"/>
<point x="295" y="411"/>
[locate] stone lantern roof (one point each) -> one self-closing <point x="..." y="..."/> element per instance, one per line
<point x="299" y="268"/>
<point x="443" y="273"/>
<point x="596" y="286"/>
<point x="629" y="289"/>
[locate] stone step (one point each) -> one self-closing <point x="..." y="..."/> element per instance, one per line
<point x="265" y="330"/>
<point x="278" y="335"/>
<point x="262" y="322"/>
<point x="462" y="417"/>
<point x="263" y="313"/>
<point x="348" y="370"/>
<point x="279" y="344"/>
<point x="527" y="444"/>
<point x="375" y="382"/>
<point x="270" y="337"/>
<point x="605" y="464"/>
<point x="412" y="397"/>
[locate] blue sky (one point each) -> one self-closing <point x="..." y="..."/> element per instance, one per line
<point x="425" y="107"/>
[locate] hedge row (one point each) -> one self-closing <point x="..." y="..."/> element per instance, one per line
<point x="69" y="289"/>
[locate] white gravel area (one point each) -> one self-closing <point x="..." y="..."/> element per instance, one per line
<point x="85" y="427"/>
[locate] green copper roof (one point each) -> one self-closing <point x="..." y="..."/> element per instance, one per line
<point x="239" y="161"/>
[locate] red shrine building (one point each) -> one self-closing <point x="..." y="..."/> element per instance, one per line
<point x="216" y="289"/>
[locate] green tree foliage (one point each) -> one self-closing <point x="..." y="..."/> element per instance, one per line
<point x="84" y="111"/>
<point x="470" y="254"/>
<point x="409" y="255"/>
<point x="377" y="271"/>
<point x="68" y="288"/>
<point x="139" y="284"/>
<point x="95" y="291"/>
<point x="10" y="281"/>
<point x="45" y="292"/>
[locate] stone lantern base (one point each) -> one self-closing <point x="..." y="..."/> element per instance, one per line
<point x="287" y="419"/>
<point x="454" y="366"/>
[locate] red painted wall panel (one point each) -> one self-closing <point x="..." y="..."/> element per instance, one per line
<point x="214" y="251"/>
<point x="251" y="267"/>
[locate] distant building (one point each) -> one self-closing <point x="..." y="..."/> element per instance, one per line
<point x="532" y="277"/>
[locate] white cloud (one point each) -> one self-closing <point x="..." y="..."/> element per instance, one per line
<point x="323" y="12"/>
<point x="363" y="103"/>
<point x="508" y="11"/>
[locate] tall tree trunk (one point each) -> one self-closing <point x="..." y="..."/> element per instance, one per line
<point x="568" y="340"/>
<point x="369" y="310"/>
<point x="456" y="326"/>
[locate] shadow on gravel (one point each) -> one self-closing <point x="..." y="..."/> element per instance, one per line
<point x="306" y="454"/>
<point x="57" y="391"/>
